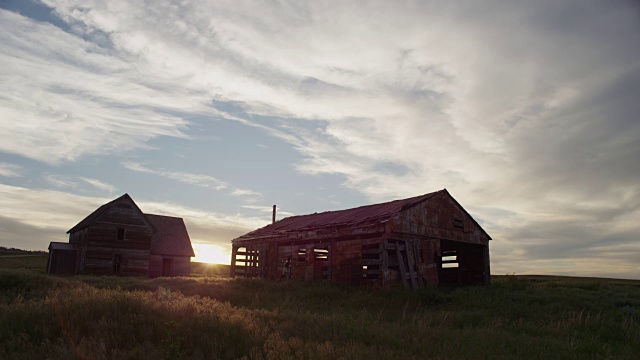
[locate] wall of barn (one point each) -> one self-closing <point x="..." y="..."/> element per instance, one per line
<point x="440" y="218"/>
<point x="179" y="265"/>
<point x="101" y="249"/>
<point x="405" y="251"/>
<point x="62" y="261"/>
<point x="442" y="227"/>
<point x="344" y="260"/>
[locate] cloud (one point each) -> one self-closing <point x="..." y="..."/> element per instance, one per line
<point x="10" y="170"/>
<point x="268" y="210"/>
<point x="64" y="97"/>
<point x="78" y="183"/>
<point x="528" y="109"/>
<point x="245" y="192"/>
<point x="60" y="181"/>
<point x="31" y="218"/>
<point x="101" y="185"/>
<point x="201" y="180"/>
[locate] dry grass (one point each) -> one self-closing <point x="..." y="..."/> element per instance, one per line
<point x="209" y="317"/>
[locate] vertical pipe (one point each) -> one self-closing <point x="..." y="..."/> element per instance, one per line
<point x="273" y="217"/>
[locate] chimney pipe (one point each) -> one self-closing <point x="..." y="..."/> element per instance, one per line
<point x="273" y="218"/>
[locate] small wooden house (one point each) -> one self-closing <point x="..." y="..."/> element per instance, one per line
<point x="428" y="239"/>
<point x="119" y="239"/>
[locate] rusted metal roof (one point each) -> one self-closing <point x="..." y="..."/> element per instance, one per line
<point x="171" y="236"/>
<point x="360" y="216"/>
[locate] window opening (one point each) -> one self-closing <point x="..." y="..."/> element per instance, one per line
<point x="302" y="255"/>
<point x="321" y="254"/>
<point x="450" y="259"/>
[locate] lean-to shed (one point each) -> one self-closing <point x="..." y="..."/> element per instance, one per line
<point x="427" y="239"/>
<point x="119" y="239"/>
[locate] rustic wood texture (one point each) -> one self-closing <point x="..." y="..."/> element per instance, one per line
<point x="116" y="239"/>
<point x="180" y="265"/>
<point x="404" y="249"/>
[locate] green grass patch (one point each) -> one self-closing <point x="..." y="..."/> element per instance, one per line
<point x="212" y="316"/>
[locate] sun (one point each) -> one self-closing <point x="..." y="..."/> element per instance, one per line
<point x="213" y="254"/>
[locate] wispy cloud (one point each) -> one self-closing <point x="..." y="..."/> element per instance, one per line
<point x="245" y="192"/>
<point x="99" y="184"/>
<point x="78" y="183"/>
<point x="10" y="170"/>
<point x="45" y="215"/>
<point x="267" y="209"/>
<point x="64" y="97"/>
<point x="60" y="181"/>
<point x="517" y="108"/>
<point x="201" y="180"/>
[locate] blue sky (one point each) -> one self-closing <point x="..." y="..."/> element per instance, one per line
<point x="214" y="111"/>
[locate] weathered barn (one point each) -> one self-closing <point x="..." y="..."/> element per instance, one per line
<point x="118" y="239"/>
<point x="425" y="239"/>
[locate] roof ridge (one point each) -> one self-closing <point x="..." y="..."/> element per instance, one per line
<point x="364" y="206"/>
<point x="97" y="211"/>
<point x="167" y="216"/>
<point x="358" y="215"/>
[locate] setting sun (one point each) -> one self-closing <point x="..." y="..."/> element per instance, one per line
<point x="209" y="253"/>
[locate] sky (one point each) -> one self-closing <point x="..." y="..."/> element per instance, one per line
<point x="527" y="112"/>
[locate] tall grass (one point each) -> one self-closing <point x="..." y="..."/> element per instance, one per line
<point x="209" y="317"/>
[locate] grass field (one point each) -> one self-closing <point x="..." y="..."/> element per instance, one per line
<point x="209" y="316"/>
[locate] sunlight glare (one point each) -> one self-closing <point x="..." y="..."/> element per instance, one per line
<point x="213" y="254"/>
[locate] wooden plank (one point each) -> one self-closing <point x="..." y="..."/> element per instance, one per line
<point x="416" y="253"/>
<point x="412" y="265"/>
<point x="372" y="261"/>
<point x="403" y="271"/>
<point x="372" y="251"/>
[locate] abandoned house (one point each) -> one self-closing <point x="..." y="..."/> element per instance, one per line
<point x="118" y="239"/>
<point x="428" y="239"/>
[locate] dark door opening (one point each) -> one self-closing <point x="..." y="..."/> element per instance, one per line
<point x="462" y="263"/>
<point x="166" y="266"/>
<point x="117" y="261"/>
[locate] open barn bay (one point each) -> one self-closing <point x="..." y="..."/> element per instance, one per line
<point x="211" y="316"/>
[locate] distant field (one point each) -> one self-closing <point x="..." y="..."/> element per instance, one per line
<point x="34" y="262"/>
<point x="209" y="316"/>
<point x="38" y="263"/>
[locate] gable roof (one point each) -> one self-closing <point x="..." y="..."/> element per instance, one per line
<point x="360" y="216"/>
<point x="101" y="210"/>
<point x="170" y="237"/>
<point x="169" y="234"/>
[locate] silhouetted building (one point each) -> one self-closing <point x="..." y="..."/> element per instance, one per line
<point x="425" y="239"/>
<point x="118" y="239"/>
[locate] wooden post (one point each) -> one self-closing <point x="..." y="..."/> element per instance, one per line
<point x="411" y="263"/>
<point x="234" y="251"/>
<point x="487" y="266"/>
<point x="403" y="272"/>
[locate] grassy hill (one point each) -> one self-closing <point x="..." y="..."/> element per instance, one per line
<point x="211" y="316"/>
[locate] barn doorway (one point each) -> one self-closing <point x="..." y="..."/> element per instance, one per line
<point x="167" y="263"/>
<point x="462" y="263"/>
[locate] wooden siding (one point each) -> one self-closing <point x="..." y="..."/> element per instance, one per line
<point x="103" y="254"/>
<point x="179" y="265"/>
<point x="406" y="249"/>
<point x="62" y="262"/>
<point x="437" y="219"/>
